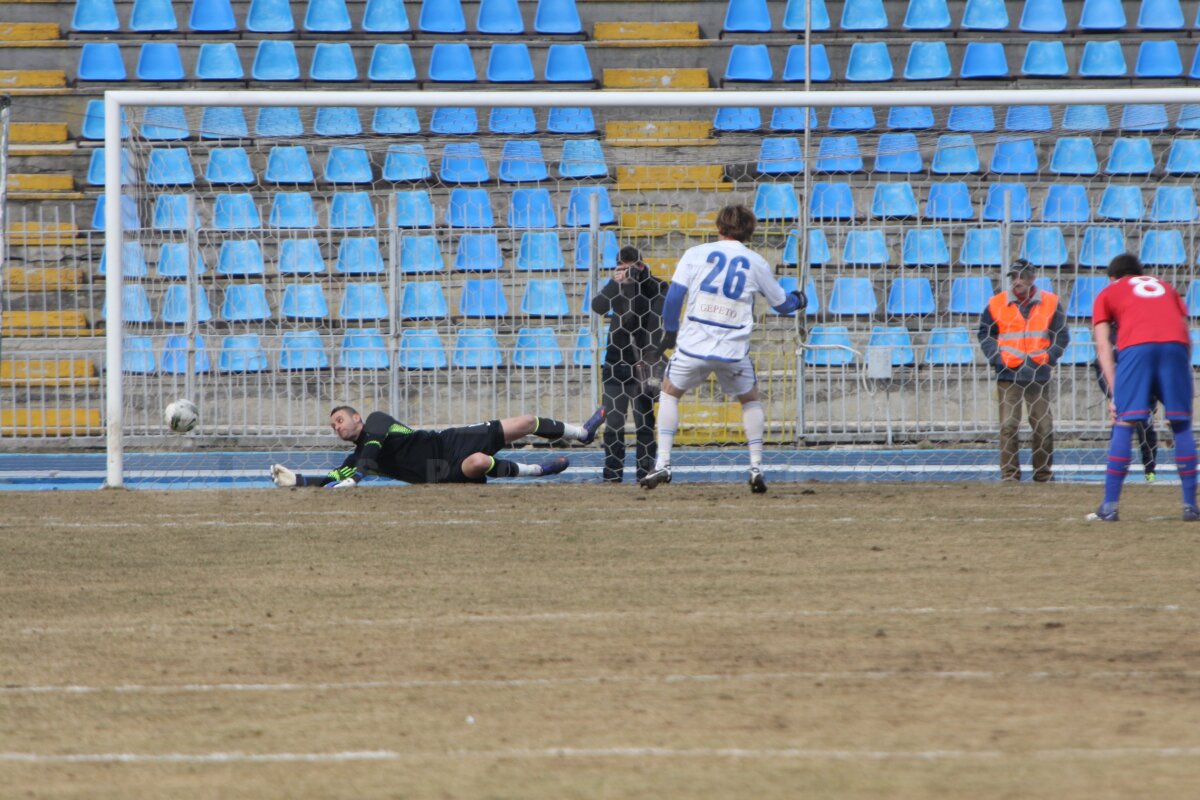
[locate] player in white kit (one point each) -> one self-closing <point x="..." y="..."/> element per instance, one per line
<point x="714" y="286"/>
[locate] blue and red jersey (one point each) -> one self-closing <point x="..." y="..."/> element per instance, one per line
<point x="1145" y="309"/>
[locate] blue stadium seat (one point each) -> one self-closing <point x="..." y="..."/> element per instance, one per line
<point x="421" y="348"/>
<point x="869" y="62"/>
<point x="1028" y="118"/>
<point x="303" y="301"/>
<point x="539" y="250"/>
<point x="327" y="16"/>
<point x="608" y="250"/>
<point x="1102" y="15"/>
<point x="219" y="61"/>
<point x="898" y="152"/>
<point x="910" y="297"/>
<point x="1085" y="118"/>
<point x="212" y="16"/>
<point x="780" y="156"/>
<point x="852" y="296"/>
<point x="242" y="353"/>
<point x="749" y="62"/>
<point x="790" y="118"/>
<point x="300" y="257"/>
<point x="174" y="308"/>
<point x="971" y="119"/>
<point x="363" y="302"/>
<point x="818" y="252"/>
<point x="169" y="166"/>
<point x="776" y="201"/>
<point x="406" y="162"/>
<point x="1045" y="60"/>
<point x="423" y="300"/>
<point x="828" y="346"/>
<point x="793" y="68"/>
<point x="924" y="247"/>
<point x="570" y="120"/>
<point x="1163" y="248"/>
<point x="245" y="302"/>
<point x="582" y="354"/>
<point x="1121" y="202"/>
<point x="133" y="261"/>
<point x="955" y="155"/>
<point x="1173" y="204"/>
<point x="93" y="121"/>
<point x="531" y="208"/>
<point x="985" y="15"/>
<point x="476" y="348"/>
<point x="910" y="118"/>
<point x="451" y="62"/>
<point x="302" y="350"/>
<point x="1144" y="117"/>
<point x="789" y="284"/>
<point x="1102" y="60"/>
<point x="949" y="201"/>
<point x="926" y="15"/>
<point x="333" y="62"/>
<point x="1101" y="243"/>
<point x="270" y="16"/>
<point x="512" y="120"/>
<point x="981" y="248"/>
<point x="395" y="121"/>
<point x="866" y="247"/>
<point x="442" y="16"/>
<point x="170" y="213"/>
<point x="359" y="255"/>
<point x="1192" y="298"/>
<point x="893" y="200"/>
<point x="363" y="348"/>
<point x="240" y="258"/>
<point x="545" y="297"/>
<point x="351" y="210"/>
<point x="137" y="355"/>
<point x="1158" y="60"/>
<point x="1044" y="247"/>
<point x="284" y="121"/>
<point x="348" y="165"/>
<point x="831" y="201"/>
<point x="100" y="61"/>
<point x="292" y="210"/>
<point x="453" y="120"/>
<point x="164" y="124"/>
<point x="275" y="60"/>
<point x="391" y="62"/>
<point x="482" y="298"/>
<point x="95" y="16"/>
<point x="288" y="164"/>
<point x="969" y="294"/>
<point x="385" y="16"/>
<point x="172" y="261"/>
<point x="1066" y="202"/>
<point x="851" y="118"/>
<point x="795" y="12"/>
<point x="420" y="254"/>
<point x="536" y="347"/>
<point x="1130" y="156"/>
<point x="1081" y="351"/>
<point x="557" y="17"/>
<point x="950" y="347"/>
<point x="984" y="60"/>
<point x="462" y="162"/>
<point x="1083" y="295"/>
<point x="220" y="122"/>
<point x="747" y="16"/>
<point x="1074" y="155"/>
<point x="95" y="172"/>
<point x="927" y="61"/>
<point x="500" y="17"/>
<point x="175" y="356"/>
<point x="897" y="340"/>
<point x="509" y="62"/>
<point x="1160" y="15"/>
<point x="1184" y="157"/>
<point x="340" y="121"/>
<point x="414" y="209"/>
<point x="129" y="213"/>
<point x="838" y="154"/>
<point x="1014" y="157"/>
<point x="864" y="15"/>
<point x="568" y="63"/>
<point x="1043" y="16"/>
<point x="578" y="215"/>
<point x="521" y="160"/>
<point x="235" y="212"/>
<point x="478" y="252"/>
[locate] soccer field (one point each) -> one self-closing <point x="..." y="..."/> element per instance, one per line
<point x="852" y="641"/>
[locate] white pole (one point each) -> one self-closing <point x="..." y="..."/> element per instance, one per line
<point x="112" y="290"/>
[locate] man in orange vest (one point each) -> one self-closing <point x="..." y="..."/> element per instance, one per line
<point x="1023" y="333"/>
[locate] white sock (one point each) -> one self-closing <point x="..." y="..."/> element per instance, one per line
<point x="668" y="423"/>
<point x="754" y="421"/>
<point x="528" y="470"/>
<point x="573" y="431"/>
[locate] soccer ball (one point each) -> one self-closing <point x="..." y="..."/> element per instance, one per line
<point x="181" y="416"/>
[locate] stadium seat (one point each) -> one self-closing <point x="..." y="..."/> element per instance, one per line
<point x="275" y="60"/>
<point x="838" y="154"/>
<point x="831" y="201"/>
<point x="1083" y="295"/>
<point x="926" y="15"/>
<point x="578" y="215"/>
<point x="581" y="158"/>
<point x="1144" y="117"/>
<point x="1160" y="15"/>
<point x="423" y="300"/>
<point x="453" y="121"/>
<point x="568" y="63"/>
<point x="1184" y="157"/>
<point x="509" y="62"/>
<point x="1101" y="243"/>
<point x="1066" y="202"/>
<point x="793" y="67"/>
<point x="1028" y="118"/>
<point x="302" y="350"/>
<point x="172" y="261"/>
<point x="984" y="60"/>
<point x="1163" y="248"/>
<point x="137" y="355"/>
<point x="909" y="297"/>
<point x="95" y="16"/>
<point x="242" y="353"/>
<point x="300" y="257"/>
<point x="828" y="346"/>
<point x="327" y="16"/>
<point x="451" y="62"/>
<point x="169" y="166"/>
<point x="476" y="348"/>
<point x="270" y="16"/>
<point x="133" y="261"/>
<point x="851" y="118"/>
<point x="981" y="248"/>
<point x="1102" y="60"/>
<point x="949" y="201"/>
<point x="1195" y="337"/>
<point x="359" y="255"/>
<point x="1102" y="15"/>
<point x="910" y="118"/>
<point x="95" y="171"/>
<point x="985" y="15"/>
<point x="239" y="258"/>
<point x="333" y="62"/>
<point x="1081" y="351"/>
<point x="557" y="17"/>
<point x="414" y="209"/>
<point x="570" y="120"/>
<point x="927" y="61"/>
<point x="221" y="122"/>
<point x="340" y="121"/>
<point x="129" y="213"/>
<point x="924" y="247"/>
<point x="1045" y="60"/>
<point x="235" y="212"/>
<point x="219" y="61"/>
<point x="292" y="210"/>
<point x="93" y="121"/>
<point x="211" y="16"/>
<point x="864" y="15"/>
<point x="969" y="294"/>
<point x="545" y="297"/>
<point x="582" y="354"/>
<point x="164" y="124"/>
<point x="406" y="162"/>
<point x="1130" y="156"/>
<point x="1192" y="298"/>
<point x="898" y="152"/>
<point x="779" y="156"/>
<point x="1014" y="157"/>
<point x="351" y="210"/>
<point x="420" y="254"/>
<point x="284" y="121"/>
<point x="421" y="348"/>
<point x="776" y="201"/>
<point x="869" y="62"/>
<point x="539" y="250"/>
<point x="462" y="162"/>
<point x="478" y="252"/>
<point x="536" y="347"/>
<point x="385" y="16"/>
<point x="170" y="213"/>
<point x="100" y="61"/>
<point x="482" y="298"/>
<point x="818" y="251"/>
<point x="303" y="301"/>
<point x="1158" y="60"/>
<point x="746" y="16"/>
<point x="245" y="302"/>
<point x="955" y="155"/>
<point x="748" y="62"/>
<point x="363" y="348"/>
<point x="795" y="11"/>
<point x="391" y="63"/>
<point x="897" y="340"/>
<point x="395" y="121"/>
<point x="790" y="118"/>
<point x="852" y="296"/>
<point x="175" y="356"/>
<point x="531" y="208"/>
<point x="1085" y="118"/>
<point x="1121" y="202"/>
<point x="950" y="347"/>
<point x="521" y="160"/>
<point x="363" y="302"/>
<point x="348" y="165"/>
<point x="865" y="247"/>
<point x="608" y="250"/>
<point x="971" y="119"/>
<point x="512" y="120"/>
<point x="1044" y="247"/>
<point x="174" y="308"/>
<point x="288" y="164"/>
<point x="1074" y="155"/>
<point x="499" y="17"/>
<point x="1173" y="204"/>
<point x="442" y="16"/>
<point x="1043" y="16"/>
<point x="893" y="200"/>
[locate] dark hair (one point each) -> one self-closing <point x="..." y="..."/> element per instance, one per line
<point x="736" y="222"/>
<point x="1124" y="264"/>
<point x="629" y="255"/>
<point x="344" y="408"/>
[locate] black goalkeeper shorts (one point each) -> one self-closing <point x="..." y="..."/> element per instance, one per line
<point x="458" y="443"/>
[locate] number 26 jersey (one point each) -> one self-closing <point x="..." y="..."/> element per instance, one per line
<point x="1144" y="309"/>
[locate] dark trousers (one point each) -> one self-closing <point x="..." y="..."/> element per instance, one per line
<point x="620" y="389"/>
<point x="1036" y="398"/>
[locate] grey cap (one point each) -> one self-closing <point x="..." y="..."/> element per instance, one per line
<point x="1021" y="267"/>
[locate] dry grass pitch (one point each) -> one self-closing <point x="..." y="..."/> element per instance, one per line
<point x="834" y="641"/>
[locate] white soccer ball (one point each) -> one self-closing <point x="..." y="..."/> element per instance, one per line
<point x="181" y="416"/>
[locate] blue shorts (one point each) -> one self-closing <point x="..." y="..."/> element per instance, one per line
<point x="1159" y="371"/>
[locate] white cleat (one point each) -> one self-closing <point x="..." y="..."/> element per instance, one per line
<point x="655" y="477"/>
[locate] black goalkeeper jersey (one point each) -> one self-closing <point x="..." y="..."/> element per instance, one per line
<point x="387" y="447"/>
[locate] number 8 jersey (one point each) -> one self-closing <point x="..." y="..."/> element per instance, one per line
<point x="721" y="279"/>
<point x="1145" y="309"/>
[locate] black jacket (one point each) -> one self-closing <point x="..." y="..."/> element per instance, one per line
<point x="636" y="321"/>
<point x="1060" y="337"/>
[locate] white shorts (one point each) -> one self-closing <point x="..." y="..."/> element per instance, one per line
<point x="734" y="377"/>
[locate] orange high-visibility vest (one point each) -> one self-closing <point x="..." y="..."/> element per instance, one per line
<point x="1019" y="337"/>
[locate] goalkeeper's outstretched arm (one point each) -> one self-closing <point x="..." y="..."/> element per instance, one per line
<point x="285" y="478"/>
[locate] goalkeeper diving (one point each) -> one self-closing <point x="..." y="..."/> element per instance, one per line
<point x="384" y="446"/>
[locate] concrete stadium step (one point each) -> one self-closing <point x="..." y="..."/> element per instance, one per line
<point x="50" y="422"/>
<point x="47" y="323"/>
<point x="656" y="78"/>
<point x="39" y="186"/>
<point x="44" y="233"/>
<point x="35" y="82"/>
<point x="661" y="223"/>
<point x="68" y="372"/>
<point x="20" y="133"/>
<point x="43" y="279"/>
<point x="30" y="34"/>
<point x="669" y="133"/>
<point x="682" y="32"/>
<point x="661" y="267"/>
<point x="708" y="176"/>
<point x="709" y="423"/>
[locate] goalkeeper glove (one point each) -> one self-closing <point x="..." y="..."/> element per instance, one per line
<point x="283" y="477"/>
<point x="348" y="483"/>
<point x="801" y="299"/>
<point x="667" y="341"/>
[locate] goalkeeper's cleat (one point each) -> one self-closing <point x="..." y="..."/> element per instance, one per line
<point x="1107" y="512"/>
<point x="1191" y="513"/>
<point x="555" y="466"/>
<point x="758" y="484"/>
<point x="591" y="426"/>
<point x="1150" y="476"/>
<point x="655" y="477"/>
